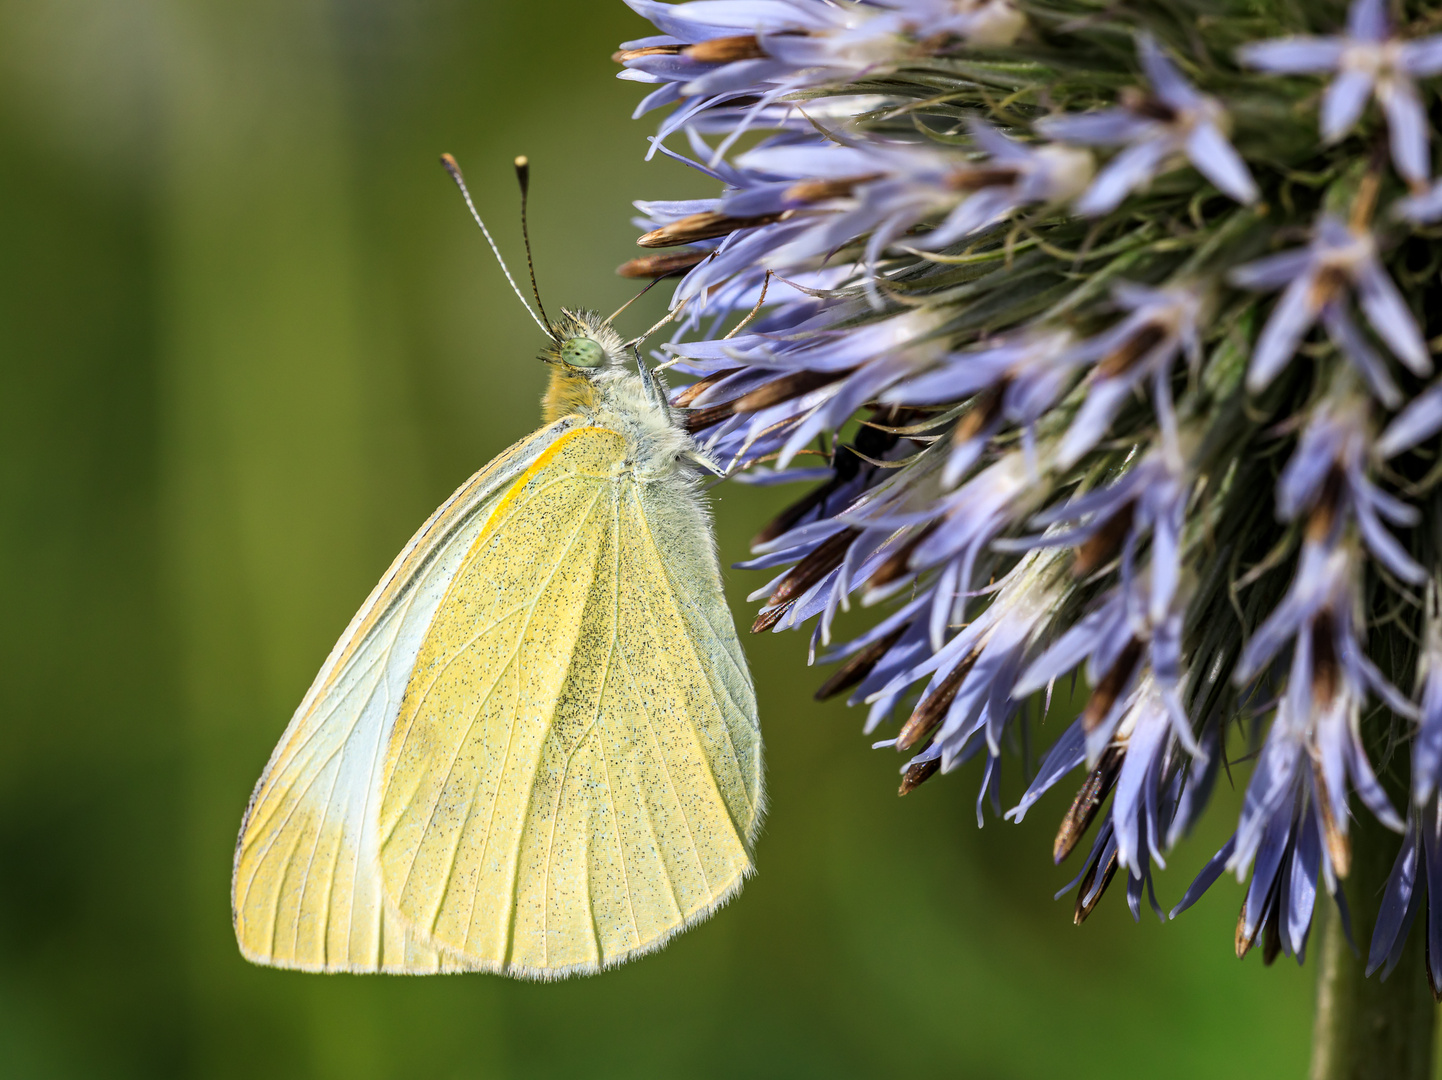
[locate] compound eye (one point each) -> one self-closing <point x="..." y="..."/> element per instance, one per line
<point x="582" y="352"/>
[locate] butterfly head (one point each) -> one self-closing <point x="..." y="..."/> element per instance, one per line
<point x="583" y="343"/>
<point x="582" y="347"/>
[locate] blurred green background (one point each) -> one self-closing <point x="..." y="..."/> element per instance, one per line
<point x="248" y="340"/>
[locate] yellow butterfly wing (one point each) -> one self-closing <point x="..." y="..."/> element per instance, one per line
<point x="575" y="773"/>
<point x="306" y="887"/>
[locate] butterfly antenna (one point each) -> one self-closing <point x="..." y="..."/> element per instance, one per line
<point x="612" y="317"/>
<point x="668" y="317"/>
<point x="455" y="171"/>
<point x="523" y="177"/>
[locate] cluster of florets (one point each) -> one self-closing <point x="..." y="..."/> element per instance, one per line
<point x="1105" y="335"/>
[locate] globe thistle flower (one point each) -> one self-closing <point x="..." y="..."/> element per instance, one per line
<point x="1102" y="346"/>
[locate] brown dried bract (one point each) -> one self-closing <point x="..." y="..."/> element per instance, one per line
<point x="932" y="709"/>
<point x="1121" y="359"/>
<point x="1086" y="905"/>
<point x="1102" y="546"/>
<point x="725" y="50"/>
<point x="896" y="563"/>
<point x="823" y="559"/>
<point x="1143" y="104"/>
<point x="1088" y="801"/>
<point x="1111" y="685"/>
<point x="858" y="667"/>
<point x="672" y="264"/>
<point x="769" y="617"/>
<point x="918" y="774"/>
<point x="982" y="177"/>
<point x="707" y="225"/>
<point x="622" y="55"/>
<point x="809" y="191"/>
<point x="786" y="388"/>
<point x="700" y="386"/>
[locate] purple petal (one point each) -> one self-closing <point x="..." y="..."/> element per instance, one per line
<point x="1302" y="884"/>
<point x="1385" y="548"/>
<point x="1420" y="209"/>
<point x="1126" y="172"/>
<point x="1344" y="101"/>
<point x="1103" y="401"/>
<point x="1271" y="272"/>
<point x="1422" y="57"/>
<point x="1394" y="917"/>
<point x="1369" y="790"/>
<point x="1289" y="322"/>
<point x="1421" y="419"/>
<point x="702" y="20"/>
<point x="1065" y="755"/>
<point x="1355" y="347"/>
<point x="1108" y="127"/>
<point x="1212" y="156"/>
<point x="1206" y="878"/>
<point x="1389" y="315"/>
<point x="1166" y="80"/>
<point x="1406" y="128"/>
<point x="1367" y="21"/>
<point x="1293" y="55"/>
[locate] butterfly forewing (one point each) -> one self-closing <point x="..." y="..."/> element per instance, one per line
<point x="307" y="889"/>
<point x="575" y="772"/>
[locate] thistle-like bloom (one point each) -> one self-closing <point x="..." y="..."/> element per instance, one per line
<point x="1161" y="324"/>
<point x="969" y="700"/>
<point x="1279" y="840"/>
<point x="1327" y="479"/>
<point x="1369" y="60"/>
<point x="1014" y="380"/>
<point x="1173" y="123"/>
<point x="1316" y="280"/>
<point x="916" y="291"/>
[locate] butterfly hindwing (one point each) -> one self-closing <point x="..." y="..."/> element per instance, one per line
<point x="575" y="771"/>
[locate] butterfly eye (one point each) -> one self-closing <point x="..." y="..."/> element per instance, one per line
<point x="582" y="352"/>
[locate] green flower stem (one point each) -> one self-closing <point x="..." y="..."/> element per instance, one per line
<point x="1368" y="1029"/>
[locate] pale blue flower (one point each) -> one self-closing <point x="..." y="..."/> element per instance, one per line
<point x="1316" y="280"/>
<point x="1174" y="125"/>
<point x="1160" y="325"/>
<point x="1280" y="841"/>
<point x="1327" y="477"/>
<point x="1370" y="61"/>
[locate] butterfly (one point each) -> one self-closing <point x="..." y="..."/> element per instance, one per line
<point x="535" y="749"/>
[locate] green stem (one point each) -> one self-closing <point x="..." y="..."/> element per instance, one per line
<point x="1368" y="1029"/>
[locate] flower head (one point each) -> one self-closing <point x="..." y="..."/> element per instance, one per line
<point x="1049" y="411"/>
<point x="1173" y="123"/>
<point x="1315" y="282"/>
<point x="1369" y="60"/>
